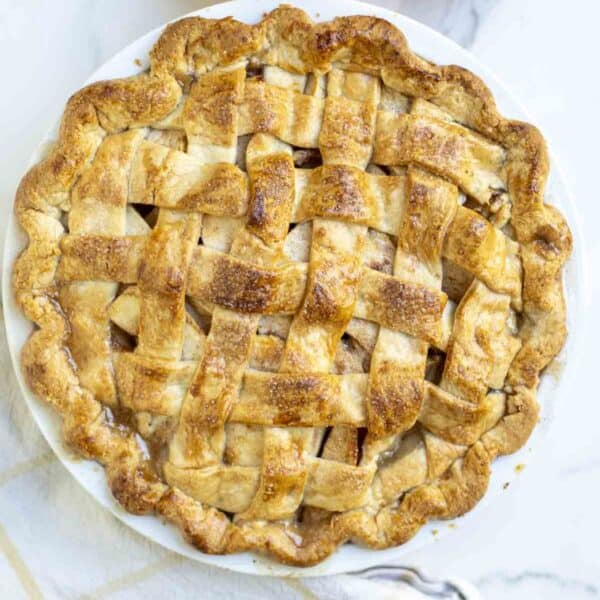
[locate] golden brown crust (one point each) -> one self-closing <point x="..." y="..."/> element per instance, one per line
<point x="462" y="429"/>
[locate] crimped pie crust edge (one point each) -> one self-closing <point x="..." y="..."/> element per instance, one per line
<point x="288" y="39"/>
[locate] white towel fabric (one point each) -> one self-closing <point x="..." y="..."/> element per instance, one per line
<point x="56" y="542"/>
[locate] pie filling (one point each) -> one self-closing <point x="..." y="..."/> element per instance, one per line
<point x="294" y="286"/>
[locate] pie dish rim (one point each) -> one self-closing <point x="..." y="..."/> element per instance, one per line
<point x="405" y="25"/>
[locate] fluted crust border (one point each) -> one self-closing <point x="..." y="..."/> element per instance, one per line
<point x="285" y="37"/>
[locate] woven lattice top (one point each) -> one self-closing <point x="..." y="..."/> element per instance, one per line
<point x="294" y="285"/>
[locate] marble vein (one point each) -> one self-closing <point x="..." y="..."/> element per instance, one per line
<point x="555" y="580"/>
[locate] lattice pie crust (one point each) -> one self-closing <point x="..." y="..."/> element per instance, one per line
<point x="293" y="286"/>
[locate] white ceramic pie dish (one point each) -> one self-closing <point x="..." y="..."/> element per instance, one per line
<point x="553" y="385"/>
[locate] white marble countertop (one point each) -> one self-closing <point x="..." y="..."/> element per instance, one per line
<point x="541" y="540"/>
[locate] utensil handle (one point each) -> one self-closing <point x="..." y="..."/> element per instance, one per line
<point x="451" y="589"/>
